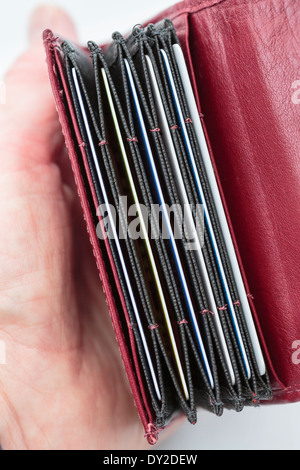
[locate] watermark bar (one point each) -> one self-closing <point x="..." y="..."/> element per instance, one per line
<point x="127" y="222"/>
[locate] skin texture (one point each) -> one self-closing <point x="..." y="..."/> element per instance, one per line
<point x="63" y="385"/>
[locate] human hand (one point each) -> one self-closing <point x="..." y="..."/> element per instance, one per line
<point x="63" y="385"/>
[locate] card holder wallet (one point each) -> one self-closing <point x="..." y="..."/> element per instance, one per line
<point x="181" y="316"/>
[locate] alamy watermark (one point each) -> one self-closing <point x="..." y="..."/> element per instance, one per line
<point x="296" y="93"/>
<point x="296" y="353"/>
<point x="137" y="221"/>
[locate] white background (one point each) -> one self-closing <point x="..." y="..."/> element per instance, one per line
<point x="269" y="427"/>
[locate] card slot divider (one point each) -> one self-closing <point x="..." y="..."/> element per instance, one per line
<point x="53" y="54"/>
<point x="172" y="196"/>
<point x="141" y="174"/>
<point x="207" y="381"/>
<point x="161" y="344"/>
<point x="196" y="151"/>
<point x="191" y="414"/>
<point x="141" y="177"/>
<point x="189" y="258"/>
<point x="211" y="324"/>
<point x="135" y="266"/>
<point x="176" y="131"/>
<point x="171" y="115"/>
<point x="130" y="319"/>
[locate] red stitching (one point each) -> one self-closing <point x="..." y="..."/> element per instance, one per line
<point x="182" y="322"/>
<point x="153" y="327"/>
<point x="174" y="127"/>
<point x="223" y="308"/>
<point x="103" y="142"/>
<point x="188" y="121"/>
<point x="132" y="139"/>
<point x="237" y="303"/>
<point x="153" y="432"/>
<point x="156" y="129"/>
<point x="82" y="144"/>
<point x="206" y="311"/>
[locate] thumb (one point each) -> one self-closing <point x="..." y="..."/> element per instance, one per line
<point x="29" y="107"/>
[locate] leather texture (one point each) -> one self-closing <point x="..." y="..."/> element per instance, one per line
<point x="244" y="59"/>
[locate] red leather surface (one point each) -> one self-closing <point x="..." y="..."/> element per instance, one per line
<point x="245" y="60"/>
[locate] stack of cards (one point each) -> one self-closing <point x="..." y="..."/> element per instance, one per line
<point x="160" y="217"/>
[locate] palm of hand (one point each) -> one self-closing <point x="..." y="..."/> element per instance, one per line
<point x="63" y="385"/>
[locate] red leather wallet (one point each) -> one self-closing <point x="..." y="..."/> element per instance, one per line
<point x="243" y="59"/>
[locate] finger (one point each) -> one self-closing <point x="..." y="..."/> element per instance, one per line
<point x="30" y="131"/>
<point x="52" y="17"/>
